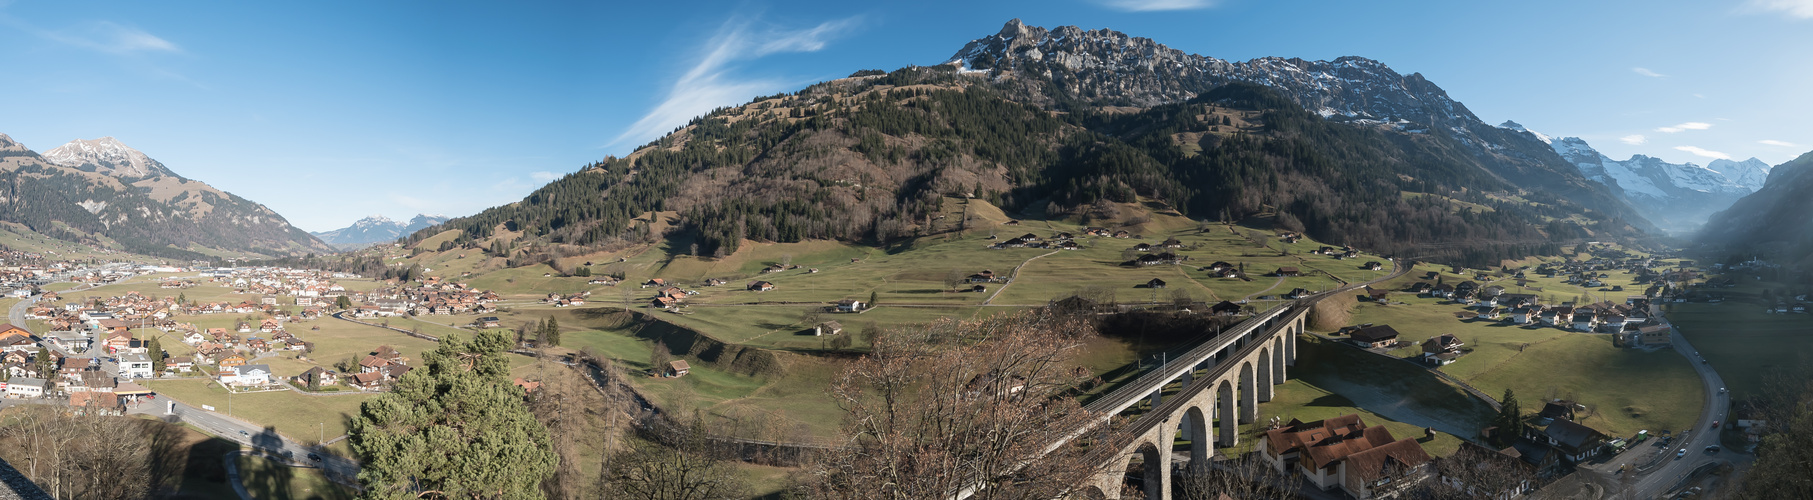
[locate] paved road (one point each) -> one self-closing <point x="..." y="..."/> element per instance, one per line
<point x="245" y="433"/>
<point x="1657" y="481"/>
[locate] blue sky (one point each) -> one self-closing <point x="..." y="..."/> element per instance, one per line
<point x="330" y="111"/>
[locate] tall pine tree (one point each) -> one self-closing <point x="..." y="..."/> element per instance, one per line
<point x="455" y="428"/>
<point x="1509" y="421"/>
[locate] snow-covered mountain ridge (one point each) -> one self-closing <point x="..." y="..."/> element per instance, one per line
<point x="1678" y="197"/>
<point x="377" y="229"/>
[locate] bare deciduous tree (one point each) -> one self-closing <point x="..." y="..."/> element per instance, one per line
<point x="966" y="405"/>
<point x="1247" y="478"/>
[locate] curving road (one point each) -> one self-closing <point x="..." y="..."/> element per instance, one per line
<point x="1668" y="470"/>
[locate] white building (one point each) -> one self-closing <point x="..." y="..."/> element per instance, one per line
<point x="25" y="387"/>
<point x="244" y="376"/>
<point x="135" y="365"/>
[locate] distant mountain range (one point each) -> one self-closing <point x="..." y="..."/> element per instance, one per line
<point x="103" y="193"/>
<point x="376" y="229"/>
<point x="1677" y="197"/>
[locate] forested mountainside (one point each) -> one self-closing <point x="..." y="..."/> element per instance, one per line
<point x="105" y="194"/>
<point x="1773" y="222"/>
<point x="871" y="158"/>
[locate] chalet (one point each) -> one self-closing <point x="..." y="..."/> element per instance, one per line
<point x="663" y="303"/>
<point x="489" y="322"/>
<point x="714" y="282"/>
<point x="1225" y="308"/>
<point x="1287" y="271"/>
<point x="243" y="327"/>
<point x="372" y="364"/>
<point x="1220" y="266"/>
<point x="1297" y="293"/>
<point x="1171" y="243"/>
<point x="8" y="331"/>
<point x="367" y="381"/>
<point x="1613" y="322"/>
<point x="231" y="360"/>
<point x="986" y="276"/>
<point x="654" y="282"/>
<point x="849" y="305"/>
<point x="1420" y="288"/>
<point x="1343" y="452"/>
<point x="1573" y="442"/>
<point x="677" y="368"/>
<point x="1655" y="335"/>
<point x="1436" y="347"/>
<point x="1585" y="321"/>
<point x="827" y="328"/>
<point x="760" y="286"/>
<point x="1142" y="247"/>
<point x="528" y="386"/>
<point x="1377" y="294"/>
<point x="321" y="377"/>
<point x="246" y="376"/>
<point x="1374" y="336"/>
<point x="1155" y="283"/>
<point x="1442" y="290"/>
<point x="1490" y="313"/>
<point x="180" y="364"/>
<point x="978" y="288"/>
<point x="1517" y="299"/>
<point x="1373" y="266"/>
<point x="1123" y="234"/>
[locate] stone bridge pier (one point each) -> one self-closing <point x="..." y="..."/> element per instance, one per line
<point x="1218" y="394"/>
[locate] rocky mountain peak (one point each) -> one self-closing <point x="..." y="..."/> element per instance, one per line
<point x="1112" y="68"/>
<point x="8" y="144"/>
<point x="109" y="156"/>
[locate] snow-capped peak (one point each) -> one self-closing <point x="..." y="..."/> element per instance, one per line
<point x="1748" y="173"/>
<point x="1511" y="125"/>
<point x="106" y="155"/>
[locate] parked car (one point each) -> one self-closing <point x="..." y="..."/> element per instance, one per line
<point x="314" y="456"/>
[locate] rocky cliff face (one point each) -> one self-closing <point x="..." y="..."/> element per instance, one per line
<point x="1070" y="66"/>
<point x="1109" y="67"/>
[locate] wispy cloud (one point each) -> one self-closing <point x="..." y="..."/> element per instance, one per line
<point x="102" y="36"/>
<point x="544" y="176"/>
<point x="1647" y="72"/>
<point x="1156" y="5"/>
<point x="1773" y="142"/>
<point x="1685" y="127"/>
<point x="709" y="83"/>
<point x="1798" y="9"/>
<point x="1633" y="139"/>
<point x="1707" y="153"/>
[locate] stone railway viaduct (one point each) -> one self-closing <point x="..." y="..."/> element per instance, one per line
<point x="1222" y="381"/>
